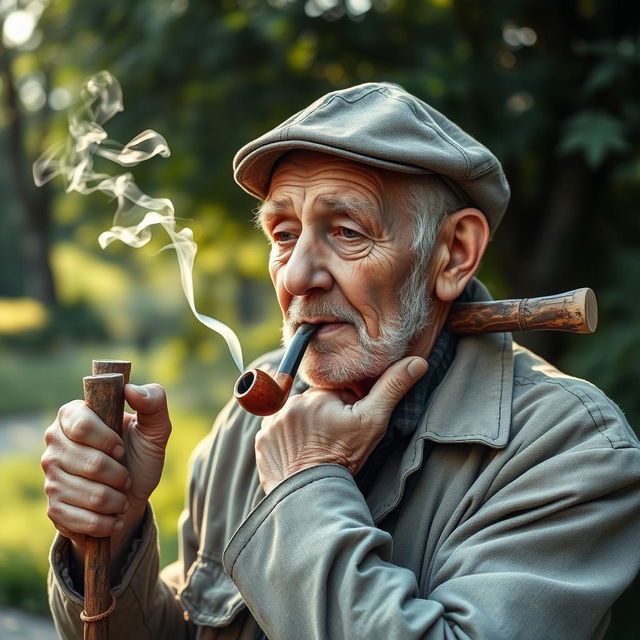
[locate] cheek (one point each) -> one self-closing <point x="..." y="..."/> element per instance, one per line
<point x="373" y="289"/>
<point x="274" y="267"/>
<point x="365" y="290"/>
<point x="276" y="273"/>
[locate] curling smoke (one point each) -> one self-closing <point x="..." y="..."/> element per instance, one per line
<point x="101" y="99"/>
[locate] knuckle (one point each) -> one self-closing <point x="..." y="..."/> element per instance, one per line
<point x="48" y="462"/>
<point x="51" y="434"/>
<point x="66" y="410"/>
<point x="93" y="522"/>
<point x="62" y="412"/>
<point x="50" y="487"/>
<point x="98" y="525"/>
<point x="54" y="512"/>
<point x="98" y="497"/>
<point x="93" y="464"/>
<point x="263" y="442"/>
<point x="77" y="428"/>
<point x="45" y="461"/>
<point x="299" y="401"/>
<point x="64" y="531"/>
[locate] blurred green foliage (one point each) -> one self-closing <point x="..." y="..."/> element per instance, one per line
<point x="26" y="532"/>
<point x="550" y="86"/>
<point x="24" y="537"/>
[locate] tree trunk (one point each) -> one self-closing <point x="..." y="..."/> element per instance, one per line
<point x="35" y="205"/>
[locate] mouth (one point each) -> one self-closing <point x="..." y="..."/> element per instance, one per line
<point x="327" y="325"/>
<point x="328" y="328"/>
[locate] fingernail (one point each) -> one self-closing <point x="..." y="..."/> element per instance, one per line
<point x="118" y="451"/>
<point x="126" y="506"/>
<point x="118" y="525"/>
<point x="417" y="368"/>
<point x="127" y="484"/>
<point x="142" y="391"/>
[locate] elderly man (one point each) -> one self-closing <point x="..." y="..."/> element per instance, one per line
<point x="416" y="485"/>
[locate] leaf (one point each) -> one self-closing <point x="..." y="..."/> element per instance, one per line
<point x="604" y="75"/>
<point x="595" y="134"/>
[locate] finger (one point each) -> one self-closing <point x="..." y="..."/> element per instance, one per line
<point x="392" y="386"/>
<point x="85" y="494"/>
<point x="150" y="404"/>
<point x="90" y="464"/>
<point x="79" y="539"/>
<point x="71" y="521"/>
<point x="81" y="425"/>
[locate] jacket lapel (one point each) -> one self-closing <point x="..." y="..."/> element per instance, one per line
<point x="472" y="405"/>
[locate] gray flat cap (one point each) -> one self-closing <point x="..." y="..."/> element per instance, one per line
<point x="382" y="125"/>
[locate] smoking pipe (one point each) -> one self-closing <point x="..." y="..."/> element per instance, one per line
<point x="262" y="395"/>
<point x="575" y="311"/>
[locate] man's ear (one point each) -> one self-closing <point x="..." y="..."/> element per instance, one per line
<point x="461" y="245"/>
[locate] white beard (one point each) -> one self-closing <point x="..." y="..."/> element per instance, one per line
<point x="328" y="363"/>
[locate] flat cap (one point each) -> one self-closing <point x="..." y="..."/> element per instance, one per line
<point x="381" y="125"/>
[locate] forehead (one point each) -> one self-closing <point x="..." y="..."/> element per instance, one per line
<point x="306" y="176"/>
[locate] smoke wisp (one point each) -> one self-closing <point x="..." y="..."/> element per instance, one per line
<point x="137" y="212"/>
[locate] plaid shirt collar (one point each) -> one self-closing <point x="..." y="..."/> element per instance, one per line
<point x="407" y="414"/>
<point x="410" y="409"/>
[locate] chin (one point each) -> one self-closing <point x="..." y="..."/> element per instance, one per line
<point x="336" y="371"/>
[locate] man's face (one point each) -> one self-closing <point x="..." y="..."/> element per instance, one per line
<point x="339" y="258"/>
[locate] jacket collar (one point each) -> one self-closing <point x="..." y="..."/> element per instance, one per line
<point x="473" y="402"/>
<point x="472" y="405"/>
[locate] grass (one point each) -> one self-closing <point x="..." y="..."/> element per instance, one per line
<point x="25" y="535"/>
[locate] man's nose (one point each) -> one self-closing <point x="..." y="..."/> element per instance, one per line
<point x="307" y="268"/>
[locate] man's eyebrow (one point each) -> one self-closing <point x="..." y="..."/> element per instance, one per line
<point x="271" y="209"/>
<point x="345" y="204"/>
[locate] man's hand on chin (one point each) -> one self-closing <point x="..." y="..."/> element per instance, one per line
<point x="319" y="427"/>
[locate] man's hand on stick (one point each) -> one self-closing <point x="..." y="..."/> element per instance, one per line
<point x="94" y="488"/>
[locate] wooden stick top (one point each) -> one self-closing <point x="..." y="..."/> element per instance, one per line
<point x="112" y="366"/>
<point x="104" y="395"/>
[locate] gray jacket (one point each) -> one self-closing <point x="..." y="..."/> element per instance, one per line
<point x="512" y="513"/>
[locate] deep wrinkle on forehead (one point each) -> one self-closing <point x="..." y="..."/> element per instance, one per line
<point x="359" y="209"/>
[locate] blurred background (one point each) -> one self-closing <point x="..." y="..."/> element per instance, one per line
<point x="551" y="87"/>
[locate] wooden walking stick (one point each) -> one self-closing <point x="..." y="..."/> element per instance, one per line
<point x="104" y="395"/>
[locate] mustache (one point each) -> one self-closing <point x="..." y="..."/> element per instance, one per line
<point x="301" y="310"/>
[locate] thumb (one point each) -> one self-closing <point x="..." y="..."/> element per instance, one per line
<point x="149" y="401"/>
<point x="392" y="386"/>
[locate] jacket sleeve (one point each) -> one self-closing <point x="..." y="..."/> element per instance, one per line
<point x="545" y="560"/>
<point x="146" y="607"/>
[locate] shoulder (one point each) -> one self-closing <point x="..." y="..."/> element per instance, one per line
<point x="546" y="399"/>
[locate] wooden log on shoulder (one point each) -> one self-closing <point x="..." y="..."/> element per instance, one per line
<point x="574" y="311"/>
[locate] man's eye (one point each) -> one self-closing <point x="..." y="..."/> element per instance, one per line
<point x="283" y="236"/>
<point x="349" y="234"/>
